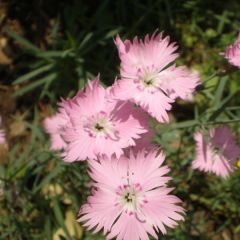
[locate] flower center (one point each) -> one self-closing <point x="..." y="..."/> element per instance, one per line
<point x="98" y="127"/>
<point x="101" y="126"/>
<point x="131" y="198"/>
<point x="149" y="80"/>
<point x="217" y="152"/>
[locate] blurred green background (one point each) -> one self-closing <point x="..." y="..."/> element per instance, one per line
<point x="48" y="50"/>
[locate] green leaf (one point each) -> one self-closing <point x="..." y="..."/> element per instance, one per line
<point x="27" y="44"/>
<point x="32" y="74"/>
<point x="219" y="92"/>
<point x="47" y="228"/>
<point x="221" y="107"/>
<point x="86" y="40"/>
<point x="35" y="84"/>
<point x="59" y="217"/>
<point x="47" y="179"/>
<point x="54" y="54"/>
<point x="185" y="124"/>
<point x="112" y="33"/>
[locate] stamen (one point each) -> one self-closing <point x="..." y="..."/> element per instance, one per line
<point x="128" y="197"/>
<point x="132" y="199"/>
<point x="148" y="80"/>
<point x="98" y="127"/>
<point x="101" y="126"/>
<point x="217" y="150"/>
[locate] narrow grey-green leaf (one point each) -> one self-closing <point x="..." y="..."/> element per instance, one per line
<point x="32" y="74"/>
<point x="27" y="44"/>
<point x="35" y="84"/>
<point x="59" y="217"/>
<point x="219" y="91"/>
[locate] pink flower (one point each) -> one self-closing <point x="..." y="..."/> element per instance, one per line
<point x="219" y="155"/>
<point x="2" y="134"/>
<point x="233" y="53"/>
<point x="145" y="142"/>
<point x="146" y="139"/>
<point x="131" y="199"/>
<point x="100" y="125"/>
<point x="146" y="77"/>
<point x="55" y="126"/>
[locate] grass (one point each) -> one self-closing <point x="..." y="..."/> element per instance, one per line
<point x="40" y="194"/>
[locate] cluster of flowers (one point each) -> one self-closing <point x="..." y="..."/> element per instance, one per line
<point x="109" y="127"/>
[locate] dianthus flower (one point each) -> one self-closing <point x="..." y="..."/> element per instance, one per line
<point x="100" y="125"/>
<point x="55" y="126"/>
<point x="148" y="79"/>
<point x="2" y="134"/>
<point x="130" y="198"/>
<point x="145" y="142"/>
<point x="233" y="53"/>
<point x="218" y="155"/>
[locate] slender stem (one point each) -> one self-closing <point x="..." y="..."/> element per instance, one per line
<point x="223" y="122"/>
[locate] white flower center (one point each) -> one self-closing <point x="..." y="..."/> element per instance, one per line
<point x="152" y="81"/>
<point x="101" y="126"/>
<point x="148" y="80"/>
<point x="217" y="152"/>
<point x="131" y="198"/>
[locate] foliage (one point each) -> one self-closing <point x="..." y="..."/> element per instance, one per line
<point x="37" y="189"/>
